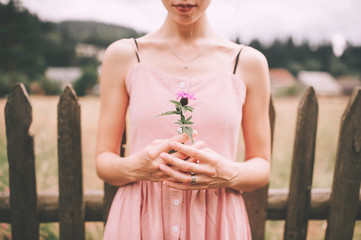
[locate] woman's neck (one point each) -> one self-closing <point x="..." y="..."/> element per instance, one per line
<point x="186" y="33"/>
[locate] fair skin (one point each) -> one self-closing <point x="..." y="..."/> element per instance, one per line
<point x="186" y="34"/>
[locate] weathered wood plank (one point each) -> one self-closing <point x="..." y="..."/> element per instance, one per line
<point x="302" y="168"/>
<point x="109" y="190"/>
<point x="22" y="180"/>
<point x="347" y="174"/>
<point x="93" y="201"/>
<point x="71" y="207"/>
<point x="277" y="204"/>
<point x="256" y="201"/>
<point x="109" y="193"/>
<point x="49" y="206"/>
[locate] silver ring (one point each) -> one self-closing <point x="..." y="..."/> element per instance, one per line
<point x="193" y="177"/>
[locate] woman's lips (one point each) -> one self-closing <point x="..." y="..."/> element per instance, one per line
<point x="184" y="8"/>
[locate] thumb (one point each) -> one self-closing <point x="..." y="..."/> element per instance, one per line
<point x="181" y="138"/>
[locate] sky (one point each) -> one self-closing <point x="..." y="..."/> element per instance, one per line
<point x="314" y="20"/>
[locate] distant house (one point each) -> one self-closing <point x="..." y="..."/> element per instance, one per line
<point x="349" y="84"/>
<point x="281" y="77"/>
<point x="88" y="50"/>
<point x="283" y="83"/>
<point x="323" y="83"/>
<point x="64" y="75"/>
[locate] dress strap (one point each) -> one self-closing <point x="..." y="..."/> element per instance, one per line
<point x="237" y="59"/>
<point x="136" y="48"/>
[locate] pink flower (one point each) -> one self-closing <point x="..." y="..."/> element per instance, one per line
<point x="185" y="95"/>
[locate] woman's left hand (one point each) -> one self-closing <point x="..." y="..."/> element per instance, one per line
<point x="210" y="169"/>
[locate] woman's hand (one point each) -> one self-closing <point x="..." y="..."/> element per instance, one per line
<point x="148" y="159"/>
<point x="211" y="170"/>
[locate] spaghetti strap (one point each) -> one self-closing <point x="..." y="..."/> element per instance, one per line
<point x="136" y="49"/>
<point x="237" y="59"/>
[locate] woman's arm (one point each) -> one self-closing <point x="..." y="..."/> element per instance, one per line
<point x="216" y="171"/>
<point x="255" y="171"/>
<point x="114" y="101"/>
<point x="112" y="168"/>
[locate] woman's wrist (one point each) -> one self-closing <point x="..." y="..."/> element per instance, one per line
<point x="249" y="175"/>
<point x="123" y="166"/>
<point x="114" y="169"/>
<point x="235" y="179"/>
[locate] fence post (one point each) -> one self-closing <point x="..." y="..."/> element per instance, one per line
<point x="299" y="197"/>
<point x="256" y="201"/>
<point x="71" y="205"/>
<point x="20" y="149"/>
<point x="109" y="190"/>
<point x="347" y="174"/>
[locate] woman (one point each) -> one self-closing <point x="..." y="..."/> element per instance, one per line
<point x="195" y="192"/>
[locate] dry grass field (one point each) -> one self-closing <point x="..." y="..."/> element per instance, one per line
<point x="44" y="129"/>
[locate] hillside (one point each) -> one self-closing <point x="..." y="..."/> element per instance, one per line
<point x="96" y="33"/>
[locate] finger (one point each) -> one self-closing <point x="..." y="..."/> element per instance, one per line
<point x="185" y="166"/>
<point x="193" y="160"/>
<point x="190" y="151"/>
<point x="182" y="138"/>
<point x="185" y="178"/>
<point x="198" y="145"/>
<point x="178" y="176"/>
<point x="180" y="155"/>
<point x="164" y="146"/>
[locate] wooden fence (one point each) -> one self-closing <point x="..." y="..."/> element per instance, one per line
<point x="341" y="205"/>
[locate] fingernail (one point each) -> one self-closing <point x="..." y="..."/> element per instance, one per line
<point x="163" y="155"/>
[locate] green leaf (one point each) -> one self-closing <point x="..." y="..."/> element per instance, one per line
<point x="189" y="119"/>
<point x="168" y="113"/>
<point x="182" y="118"/>
<point x="189" y="131"/>
<point x="190" y="108"/>
<point x="175" y="103"/>
<point x="179" y="123"/>
<point x="185" y="109"/>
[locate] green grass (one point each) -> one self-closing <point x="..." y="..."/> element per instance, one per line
<point x="4" y="167"/>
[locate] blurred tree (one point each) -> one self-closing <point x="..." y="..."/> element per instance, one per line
<point x="8" y="79"/>
<point x="96" y="33"/>
<point x="59" y="47"/>
<point x="324" y="54"/>
<point x="352" y="59"/>
<point x="21" y="41"/>
<point x="28" y="46"/>
<point x="86" y="82"/>
<point x="257" y="45"/>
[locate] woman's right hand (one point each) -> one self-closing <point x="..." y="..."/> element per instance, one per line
<point x="147" y="161"/>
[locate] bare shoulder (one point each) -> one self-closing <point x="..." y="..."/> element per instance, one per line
<point x="252" y="59"/>
<point x="120" y="51"/>
<point x="253" y="67"/>
<point x="118" y="59"/>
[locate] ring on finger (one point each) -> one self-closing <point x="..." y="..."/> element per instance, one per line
<point x="193" y="178"/>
